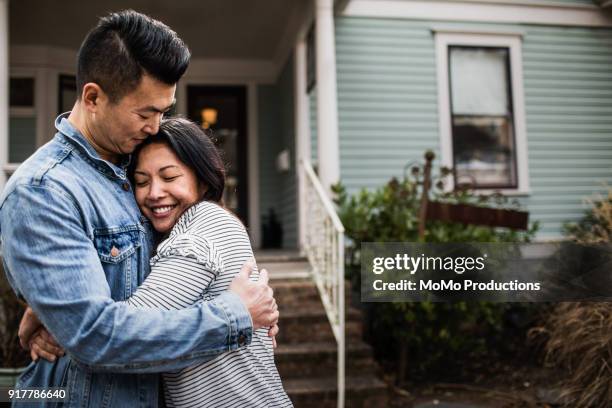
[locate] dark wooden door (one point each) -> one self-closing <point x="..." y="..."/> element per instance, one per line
<point x="223" y="110"/>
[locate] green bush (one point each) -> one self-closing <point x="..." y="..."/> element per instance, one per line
<point x="596" y="225"/>
<point x="432" y="336"/>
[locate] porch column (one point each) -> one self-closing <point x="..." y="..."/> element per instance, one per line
<point x="302" y="133"/>
<point x="4" y="89"/>
<point x="327" y="103"/>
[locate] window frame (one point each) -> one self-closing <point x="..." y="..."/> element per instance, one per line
<point x="513" y="42"/>
<point x="26" y="112"/>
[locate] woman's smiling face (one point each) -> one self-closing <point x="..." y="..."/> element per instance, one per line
<point x="164" y="186"/>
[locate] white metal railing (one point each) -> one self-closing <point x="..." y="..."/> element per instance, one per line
<point x="324" y="247"/>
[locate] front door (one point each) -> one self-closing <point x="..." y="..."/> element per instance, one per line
<point x="222" y="109"/>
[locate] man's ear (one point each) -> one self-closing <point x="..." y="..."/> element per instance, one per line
<point x="92" y="96"/>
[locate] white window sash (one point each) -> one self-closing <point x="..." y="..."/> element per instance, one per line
<point x="513" y="43"/>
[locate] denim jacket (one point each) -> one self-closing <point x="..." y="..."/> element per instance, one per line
<point x="74" y="243"/>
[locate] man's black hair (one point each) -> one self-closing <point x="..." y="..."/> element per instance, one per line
<point x="124" y="46"/>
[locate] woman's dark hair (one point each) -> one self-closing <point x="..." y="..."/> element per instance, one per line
<point x="125" y="45"/>
<point x="194" y="148"/>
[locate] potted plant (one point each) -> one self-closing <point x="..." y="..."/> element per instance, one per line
<point x="13" y="358"/>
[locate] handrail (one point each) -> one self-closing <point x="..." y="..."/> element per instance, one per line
<point x="324" y="247"/>
<point x="329" y="206"/>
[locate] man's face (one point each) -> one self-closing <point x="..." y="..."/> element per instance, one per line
<point x="117" y="128"/>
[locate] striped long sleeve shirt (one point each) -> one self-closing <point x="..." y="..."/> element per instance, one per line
<point x="203" y="253"/>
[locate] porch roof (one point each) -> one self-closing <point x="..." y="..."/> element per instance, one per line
<point x="212" y="29"/>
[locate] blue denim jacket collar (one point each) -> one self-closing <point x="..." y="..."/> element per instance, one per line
<point x="74" y="137"/>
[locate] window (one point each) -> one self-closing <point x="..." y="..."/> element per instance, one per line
<point x="22" y="121"/>
<point x="481" y="111"/>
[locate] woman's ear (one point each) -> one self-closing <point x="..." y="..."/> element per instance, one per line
<point x="203" y="188"/>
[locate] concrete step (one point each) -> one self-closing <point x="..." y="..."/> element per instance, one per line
<point x="291" y="293"/>
<point x="298" y="269"/>
<point x="306" y="356"/>
<point x="299" y="325"/>
<point x="361" y="392"/>
<point x="300" y="292"/>
<point x="279" y="255"/>
<point x="318" y="359"/>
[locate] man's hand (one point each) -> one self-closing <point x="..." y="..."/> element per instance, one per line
<point x="44" y="345"/>
<point x="256" y="296"/>
<point x="27" y="327"/>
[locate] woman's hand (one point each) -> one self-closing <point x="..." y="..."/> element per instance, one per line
<point x="42" y="344"/>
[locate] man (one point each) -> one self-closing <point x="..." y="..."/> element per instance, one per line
<point x="74" y="241"/>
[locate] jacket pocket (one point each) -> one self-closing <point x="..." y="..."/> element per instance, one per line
<point x="116" y="248"/>
<point x="114" y="245"/>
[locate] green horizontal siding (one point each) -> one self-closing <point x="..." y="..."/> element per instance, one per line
<point x="388" y="113"/>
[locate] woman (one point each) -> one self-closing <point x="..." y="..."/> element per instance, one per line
<point x="178" y="182"/>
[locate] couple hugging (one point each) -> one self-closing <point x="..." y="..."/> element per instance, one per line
<point x="115" y="235"/>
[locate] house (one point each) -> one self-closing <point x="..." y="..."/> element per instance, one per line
<point x="515" y="95"/>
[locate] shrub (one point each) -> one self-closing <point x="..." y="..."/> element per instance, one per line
<point x="578" y="336"/>
<point x="596" y="225"/>
<point x="436" y="334"/>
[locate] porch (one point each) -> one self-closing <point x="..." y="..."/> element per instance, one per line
<point x="246" y="81"/>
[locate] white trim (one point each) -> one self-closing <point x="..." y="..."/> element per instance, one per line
<point x="521" y="13"/>
<point x="516" y="73"/>
<point x="253" y="165"/>
<point x="462" y="29"/>
<point x="302" y="134"/>
<point x="328" y="146"/>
